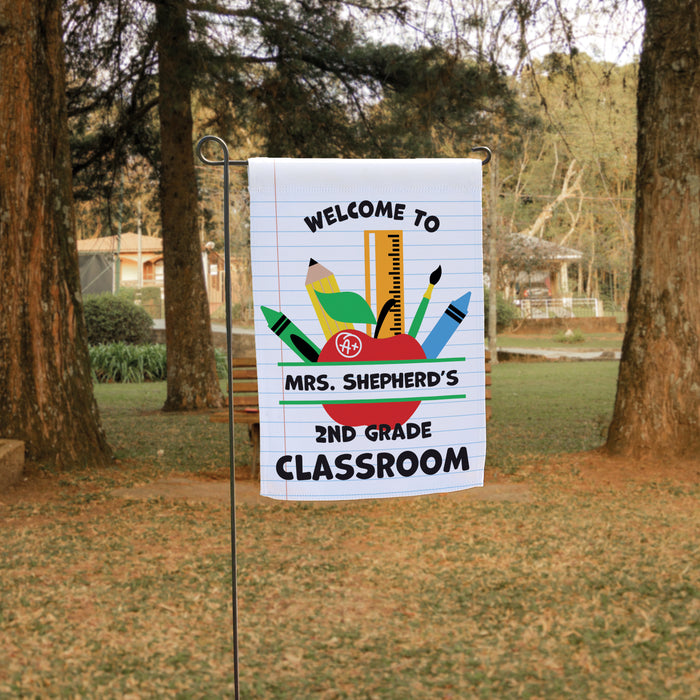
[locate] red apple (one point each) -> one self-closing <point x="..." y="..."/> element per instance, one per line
<point x="356" y="346"/>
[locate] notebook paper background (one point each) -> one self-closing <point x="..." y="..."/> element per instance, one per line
<point x="435" y="206"/>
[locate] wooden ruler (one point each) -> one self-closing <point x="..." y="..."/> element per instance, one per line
<point x="385" y="249"/>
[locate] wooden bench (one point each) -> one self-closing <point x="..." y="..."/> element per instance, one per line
<point x="245" y="401"/>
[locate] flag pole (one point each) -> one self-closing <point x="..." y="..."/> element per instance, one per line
<point x="225" y="163"/>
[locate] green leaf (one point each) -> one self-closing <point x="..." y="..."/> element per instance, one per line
<point x="347" y="307"/>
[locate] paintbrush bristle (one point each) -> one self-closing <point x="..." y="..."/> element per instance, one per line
<point x="435" y="275"/>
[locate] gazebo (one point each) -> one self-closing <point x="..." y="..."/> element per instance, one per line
<point x="532" y="262"/>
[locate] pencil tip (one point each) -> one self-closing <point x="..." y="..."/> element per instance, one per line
<point x="312" y="262"/>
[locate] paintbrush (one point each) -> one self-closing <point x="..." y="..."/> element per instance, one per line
<point x="418" y="318"/>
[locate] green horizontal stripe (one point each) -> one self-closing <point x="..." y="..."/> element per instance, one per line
<point x="370" y="362"/>
<point x="352" y="401"/>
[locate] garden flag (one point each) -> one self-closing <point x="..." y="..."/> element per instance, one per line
<point x="368" y="305"/>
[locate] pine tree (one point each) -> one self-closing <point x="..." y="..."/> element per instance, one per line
<point x="300" y="77"/>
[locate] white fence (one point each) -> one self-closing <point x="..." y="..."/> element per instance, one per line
<point x="565" y="307"/>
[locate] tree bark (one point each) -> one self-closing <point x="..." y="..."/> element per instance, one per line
<point x="46" y="396"/>
<point x="191" y="364"/>
<point x="657" y="409"/>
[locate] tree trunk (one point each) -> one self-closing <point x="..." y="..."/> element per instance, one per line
<point x="591" y="263"/>
<point x="657" y="409"/>
<point x="192" y="379"/>
<point x="46" y="396"/>
<point x="580" y="289"/>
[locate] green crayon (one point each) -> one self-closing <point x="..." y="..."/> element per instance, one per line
<point x="290" y="335"/>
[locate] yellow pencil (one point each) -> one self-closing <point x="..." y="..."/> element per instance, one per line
<point x="321" y="279"/>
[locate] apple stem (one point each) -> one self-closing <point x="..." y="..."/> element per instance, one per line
<point x="382" y="315"/>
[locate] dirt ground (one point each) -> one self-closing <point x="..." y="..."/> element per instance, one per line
<point x="578" y="471"/>
<point x="248" y="492"/>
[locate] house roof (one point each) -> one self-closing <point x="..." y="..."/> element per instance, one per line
<point x="129" y="244"/>
<point x="539" y="248"/>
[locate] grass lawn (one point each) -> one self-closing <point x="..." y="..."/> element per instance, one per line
<point x="546" y="408"/>
<point x="592" y="341"/>
<point x="587" y="587"/>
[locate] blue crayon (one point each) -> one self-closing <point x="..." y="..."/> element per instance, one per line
<point x="447" y="324"/>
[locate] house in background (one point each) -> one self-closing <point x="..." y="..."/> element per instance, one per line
<point x="214" y="277"/>
<point x="140" y="259"/>
<point x="140" y="264"/>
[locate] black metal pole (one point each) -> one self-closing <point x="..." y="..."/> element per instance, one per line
<point x="225" y="163"/>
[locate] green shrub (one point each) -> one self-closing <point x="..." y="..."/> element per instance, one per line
<point x="111" y="319"/>
<point x="221" y="363"/>
<point x="127" y="293"/>
<point x="241" y="313"/>
<point x="506" y="312"/>
<point x="120" y="362"/>
<point x="151" y="301"/>
<point x="569" y="336"/>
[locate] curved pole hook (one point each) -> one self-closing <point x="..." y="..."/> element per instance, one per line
<point x="224" y="147"/>
<point x="486" y="150"/>
<point x="203" y="158"/>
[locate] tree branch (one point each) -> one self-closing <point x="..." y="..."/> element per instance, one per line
<point x="568" y="189"/>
